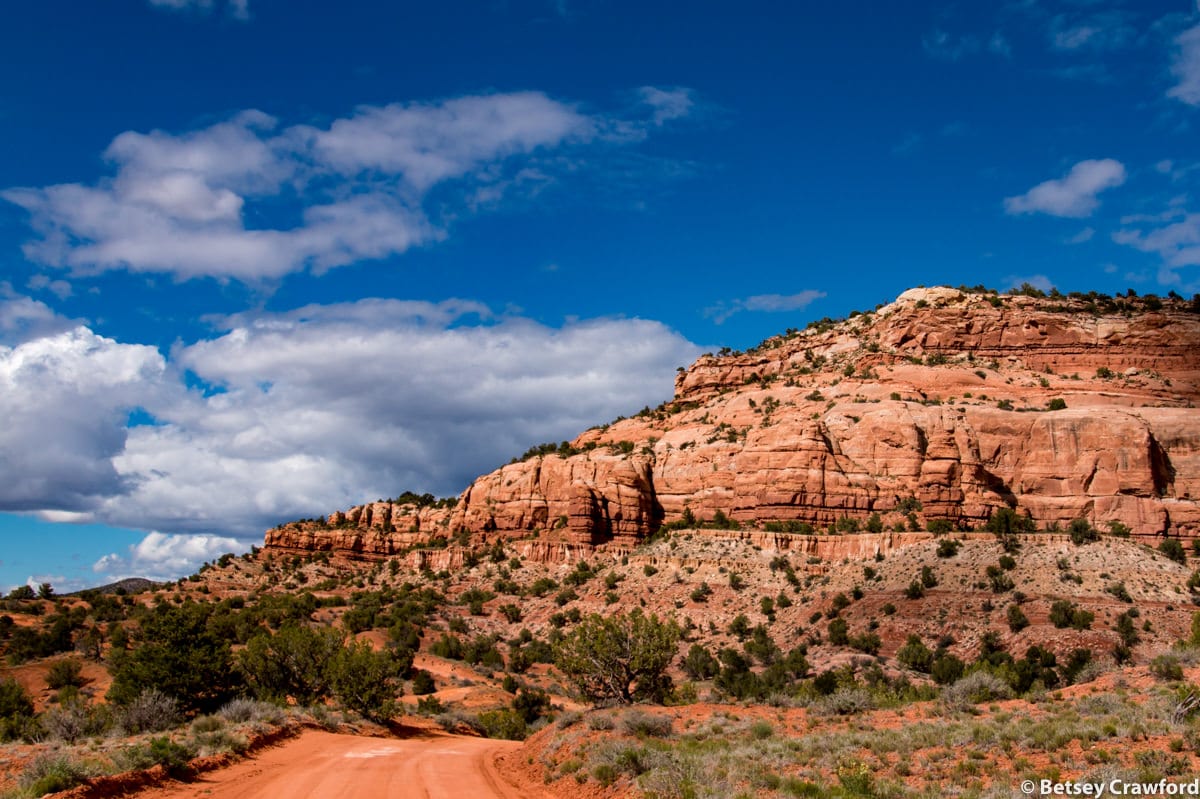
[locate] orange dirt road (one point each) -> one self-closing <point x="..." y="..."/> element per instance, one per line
<point x="324" y="765"/>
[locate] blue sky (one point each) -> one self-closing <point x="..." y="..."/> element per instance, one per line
<point x="261" y="259"/>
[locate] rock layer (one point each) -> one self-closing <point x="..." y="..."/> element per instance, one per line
<point x="951" y="402"/>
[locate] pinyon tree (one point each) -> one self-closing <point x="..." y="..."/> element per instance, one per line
<point x="620" y="659"/>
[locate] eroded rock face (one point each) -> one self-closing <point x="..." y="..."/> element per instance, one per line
<point x="940" y="399"/>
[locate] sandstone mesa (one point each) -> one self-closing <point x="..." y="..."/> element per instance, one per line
<point x="941" y="399"/>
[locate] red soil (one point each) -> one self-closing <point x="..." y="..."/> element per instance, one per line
<point x="323" y="764"/>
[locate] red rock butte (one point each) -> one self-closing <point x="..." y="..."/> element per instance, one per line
<point x="946" y="403"/>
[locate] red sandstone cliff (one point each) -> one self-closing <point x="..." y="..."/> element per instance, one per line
<point x="941" y="396"/>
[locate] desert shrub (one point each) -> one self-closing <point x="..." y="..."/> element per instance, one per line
<point x="481" y="651"/>
<point x="240" y="711"/>
<point x="939" y="526"/>
<point x="505" y="724"/>
<point x="1082" y="532"/>
<point x="948" y="547"/>
<point x="1064" y="613"/>
<point x="423" y="683"/>
<point x="51" y="773"/>
<point x="448" y="646"/>
<point x="699" y="664"/>
<point x="998" y="580"/>
<point x="1119" y="591"/>
<point x="845" y="702"/>
<point x="149" y="711"/>
<point x="1173" y="550"/>
<point x="915" y="655"/>
<point x="1126" y="629"/>
<point x="1006" y="524"/>
<point x="174" y="757"/>
<point x="635" y="722"/>
<point x="16" y="710"/>
<point x="838" y="634"/>
<point x="1166" y="667"/>
<point x="542" y="586"/>
<point x="914" y="590"/>
<point x="202" y="724"/>
<point x="740" y="626"/>
<point x="531" y="703"/>
<point x="946" y="669"/>
<point x="74" y="720"/>
<point x="601" y="722"/>
<point x="63" y="673"/>
<point x="868" y="643"/>
<point x="1017" y="620"/>
<point x="569" y="719"/>
<point x="976" y="687"/>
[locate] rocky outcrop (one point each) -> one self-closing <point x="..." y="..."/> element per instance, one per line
<point x="941" y="405"/>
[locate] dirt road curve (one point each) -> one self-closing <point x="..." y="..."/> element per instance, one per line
<point x="323" y="765"/>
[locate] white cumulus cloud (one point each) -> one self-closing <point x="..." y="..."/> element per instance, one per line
<point x="1177" y="243"/>
<point x="161" y="557"/>
<point x="221" y="201"/>
<point x="64" y="399"/>
<point x="770" y="303"/>
<point x="1074" y="194"/>
<point x="1185" y="66"/>
<point x="307" y="411"/>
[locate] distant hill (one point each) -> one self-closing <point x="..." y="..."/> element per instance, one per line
<point x="130" y="585"/>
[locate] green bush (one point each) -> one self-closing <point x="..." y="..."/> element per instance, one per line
<point x="505" y="724"/>
<point x="1082" y="532"/>
<point x="423" y="683"/>
<point x="699" y="664"/>
<point x="947" y="669"/>
<point x="63" y="673"/>
<point x="1166" y="667"/>
<point x="619" y="658"/>
<point x="1017" y="620"/>
<point x="1173" y="550"/>
<point x="367" y="681"/>
<point x="939" y="526"/>
<point x="179" y="654"/>
<point x="448" y="646"/>
<point x="948" y="547"/>
<point x="16" y="710"/>
<point x="915" y="655"/>
<point x="292" y="663"/>
<point x="1064" y="613"/>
